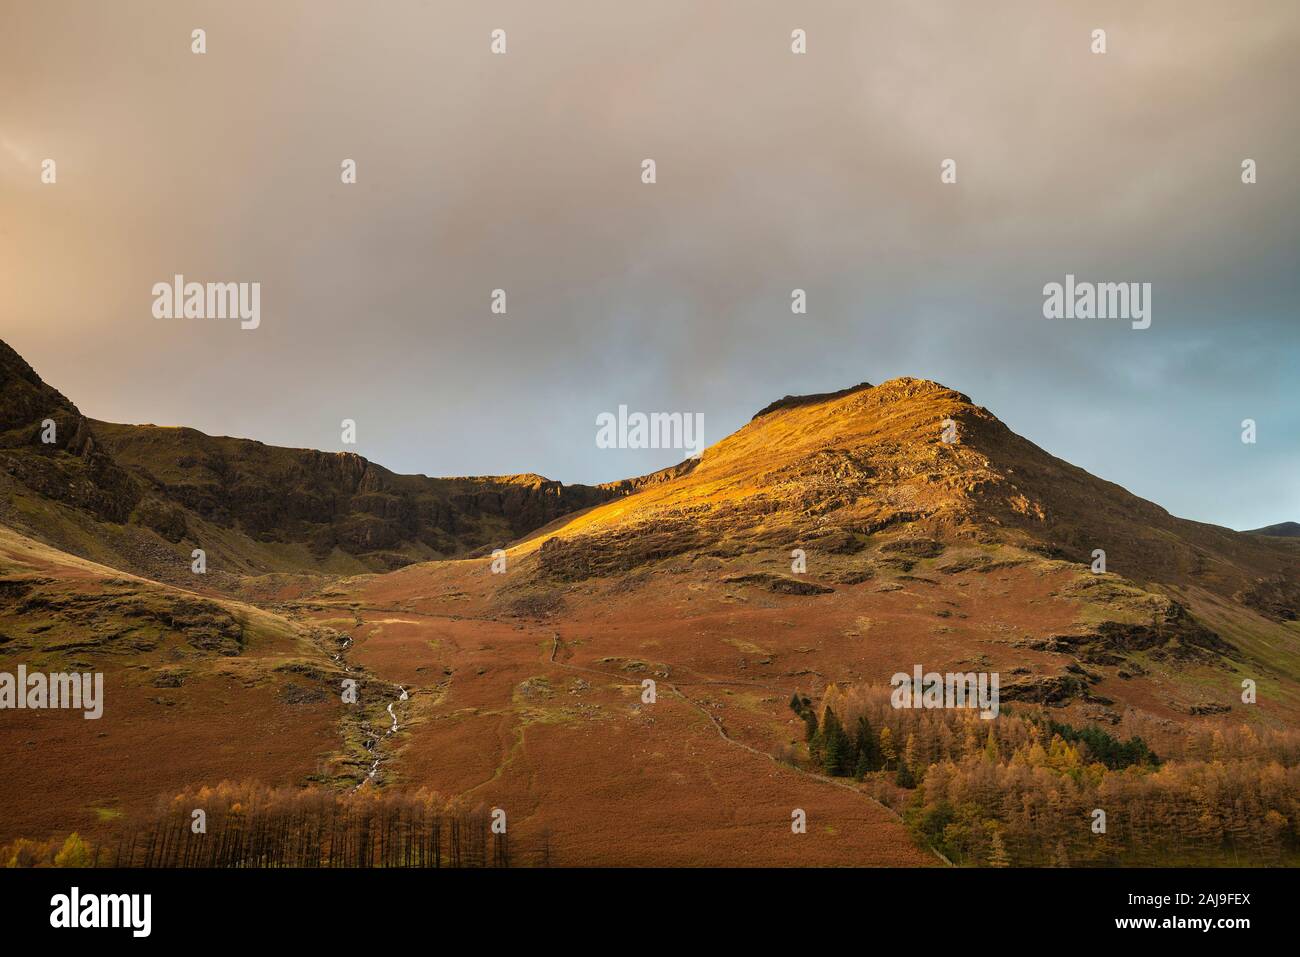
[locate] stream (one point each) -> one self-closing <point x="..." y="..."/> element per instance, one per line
<point x="371" y="741"/>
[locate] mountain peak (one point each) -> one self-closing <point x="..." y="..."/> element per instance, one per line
<point x="901" y="387"/>
<point x="1280" y="530"/>
<point x="793" y="401"/>
<point x="908" y="464"/>
<point x="26" y="399"/>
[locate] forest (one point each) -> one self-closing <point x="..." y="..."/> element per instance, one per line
<point x="248" y="825"/>
<point x="1030" y="790"/>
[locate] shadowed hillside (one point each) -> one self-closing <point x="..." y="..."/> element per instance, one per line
<point x="142" y="497"/>
<point x="1281" y="529"/>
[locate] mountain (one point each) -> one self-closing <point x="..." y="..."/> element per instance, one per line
<point x="829" y="544"/>
<point x="1281" y="530"/>
<point x="142" y="497"/>
<point x="622" y="682"/>
<point x="865" y="474"/>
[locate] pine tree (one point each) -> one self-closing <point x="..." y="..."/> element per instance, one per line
<point x="795" y="704"/>
<point x="904" y="778"/>
<point x="811" y="731"/>
<point x="863" y="766"/>
<point x="867" y="746"/>
<point x="835" y="745"/>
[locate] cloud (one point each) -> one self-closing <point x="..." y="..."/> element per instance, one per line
<point x="775" y="171"/>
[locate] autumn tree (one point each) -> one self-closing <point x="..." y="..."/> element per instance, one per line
<point x="998" y="856"/>
<point x="887" y="752"/>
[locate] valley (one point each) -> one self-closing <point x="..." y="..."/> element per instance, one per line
<point x="525" y="691"/>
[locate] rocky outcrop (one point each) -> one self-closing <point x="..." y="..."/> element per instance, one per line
<point x="1051" y="690"/>
<point x="47" y="445"/>
<point x="589" y="556"/>
<point x="1273" y="596"/>
<point x="781" y="584"/>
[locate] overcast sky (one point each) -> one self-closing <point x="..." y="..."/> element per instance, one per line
<point x="775" y="171"/>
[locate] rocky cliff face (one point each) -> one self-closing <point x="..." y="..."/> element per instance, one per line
<point x="72" y="468"/>
<point x="334" y="499"/>
<point x="196" y="490"/>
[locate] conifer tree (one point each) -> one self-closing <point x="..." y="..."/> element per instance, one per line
<point x="904" y="778"/>
<point x="991" y="747"/>
<point x="835" y="745"/>
<point x="887" y="752"/>
<point x="863" y="766"/>
<point x="998" y="856"/>
<point x="867" y="746"/>
<point x="811" y="731"/>
<point x="74" y="853"/>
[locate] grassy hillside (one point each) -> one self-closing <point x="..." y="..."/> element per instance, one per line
<point x="196" y="689"/>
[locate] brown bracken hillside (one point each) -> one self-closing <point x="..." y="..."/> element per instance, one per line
<point x="830" y="543"/>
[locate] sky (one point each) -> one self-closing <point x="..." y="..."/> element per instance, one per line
<point x="775" y="171"/>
